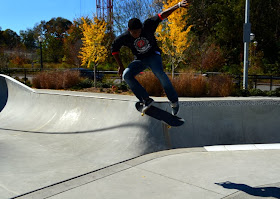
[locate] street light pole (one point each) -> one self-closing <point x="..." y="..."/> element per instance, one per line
<point x="246" y="40"/>
<point x="41" y="51"/>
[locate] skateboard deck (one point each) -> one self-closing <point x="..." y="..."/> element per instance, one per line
<point x="161" y="115"/>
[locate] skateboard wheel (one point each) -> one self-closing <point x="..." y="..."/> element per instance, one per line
<point x="142" y="114"/>
<point x="169" y="127"/>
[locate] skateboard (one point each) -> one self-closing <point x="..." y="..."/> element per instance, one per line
<point x="161" y="115"/>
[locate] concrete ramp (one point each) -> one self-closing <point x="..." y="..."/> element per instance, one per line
<point x="46" y="137"/>
<point x="228" y="121"/>
<point x="50" y="136"/>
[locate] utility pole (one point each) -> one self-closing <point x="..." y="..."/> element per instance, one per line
<point x="246" y="40"/>
<point x="41" y="52"/>
<point x="104" y="10"/>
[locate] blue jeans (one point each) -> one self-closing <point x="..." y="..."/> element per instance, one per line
<point x="155" y="63"/>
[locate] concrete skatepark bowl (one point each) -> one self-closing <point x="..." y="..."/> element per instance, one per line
<point x="48" y="136"/>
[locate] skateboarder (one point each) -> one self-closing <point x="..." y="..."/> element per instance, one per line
<point x="142" y="42"/>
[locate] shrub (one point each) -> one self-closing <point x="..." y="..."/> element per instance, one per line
<point x="123" y="86"/>
<point x="151" y="83"/>
<point x="56" y="79"/>
<point x="257" y="92"/>
<point x="86" y="83"/>
<point x="220" y="86"/>
<point x="190" y="85"/>
<point x="212" y="58"/>
<point x="277" y="92"/>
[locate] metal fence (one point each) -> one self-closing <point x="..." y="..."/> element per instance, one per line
<point x="263" y="82"/>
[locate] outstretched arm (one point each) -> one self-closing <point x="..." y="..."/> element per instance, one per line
<point x="166" y="13"/>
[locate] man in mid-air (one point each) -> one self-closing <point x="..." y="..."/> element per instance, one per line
<point x="141" y="40"/>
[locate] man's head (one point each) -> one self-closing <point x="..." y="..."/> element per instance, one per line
<point x="135" y="27"/>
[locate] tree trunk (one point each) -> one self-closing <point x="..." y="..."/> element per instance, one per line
<point x="95" y="67"/>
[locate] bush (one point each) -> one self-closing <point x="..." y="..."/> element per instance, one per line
<point x="277" y="92"/>
<point x="123" y="86"/>
<point x="151" y="83"/>
<point x="257" y="92"/>
<point x="220" y="86"/>
<point x="56" y="79"/>
<point x="190" y="85"/>
<point x="86" y="83"/>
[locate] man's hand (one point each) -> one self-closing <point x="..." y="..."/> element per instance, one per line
<point x="184" y="3"/>
<point x="119" y="61"/>
<point x="120" y="71"/>
<point x="169" y="11"/>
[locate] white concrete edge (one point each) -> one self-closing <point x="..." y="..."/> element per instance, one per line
<point x="18" y="82"/>
<point x="81" y="95"/>
<point x="60" y="92"/>
<point x="242" y="147"/>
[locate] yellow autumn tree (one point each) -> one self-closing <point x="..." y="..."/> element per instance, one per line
<point x="173" y="35"/>
<point x="93" y="50"/>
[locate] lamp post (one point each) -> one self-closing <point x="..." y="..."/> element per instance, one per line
<point x="246" y="40"/>
<point x="41" y="51"/>
<point x="255" y="46"/>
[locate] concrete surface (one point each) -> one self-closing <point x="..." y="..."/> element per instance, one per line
<point x="69" y="144"/>
<point x="181" y="173"/>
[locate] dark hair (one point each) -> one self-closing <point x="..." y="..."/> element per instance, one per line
<point x="134" y="24"/>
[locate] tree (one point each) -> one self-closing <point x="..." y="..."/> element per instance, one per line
<point x="220" y="22"/>
<point x="11" y="39"/>
<point x="73" y="43"/>
<point x="93" y="49"/>
<point x="141" y="9"/>
<point x="54" y="31"/>
<point x="58" y="27"/>
<point x="173" y="35"/>
<point x="28" y="39"/>
<point x="265" y="19"/>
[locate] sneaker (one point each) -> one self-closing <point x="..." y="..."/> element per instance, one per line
<point x="147" y="104"/>
<point x="175" y="108"/>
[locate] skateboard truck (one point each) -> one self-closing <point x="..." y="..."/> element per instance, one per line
<point x="164" y="116"/>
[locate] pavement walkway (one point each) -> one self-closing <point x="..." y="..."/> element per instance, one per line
<point x="229" y="172"/>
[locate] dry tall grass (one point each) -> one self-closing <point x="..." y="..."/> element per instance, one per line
<point x="56" y="79"/>
<point x="220" y="86"/>
<point x="190" y="85"/>
<point x="151" y="83"/>
<point x="187" y="84"/>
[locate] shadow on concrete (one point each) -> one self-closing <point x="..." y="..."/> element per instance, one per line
<point x="254" y="191"/>
<point x="3" y="93"/>
<point x="128" y="125"/>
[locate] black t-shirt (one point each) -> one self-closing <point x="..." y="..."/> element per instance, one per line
<point x="144" y="45"/>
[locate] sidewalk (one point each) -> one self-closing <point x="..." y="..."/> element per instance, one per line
<point x="193" y="173"/>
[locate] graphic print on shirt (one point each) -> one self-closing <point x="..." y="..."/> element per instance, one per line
<point x="142" y="45"/>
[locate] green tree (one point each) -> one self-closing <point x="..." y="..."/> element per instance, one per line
<point x="28" y="39"/>
<point x="57" y="27"/>
<point x="10" y="39"/>
<point x="220" y="22"/>
<point x="53" y="32"/>
<point x="73" y="43"/>
<point x="265" y="19"/>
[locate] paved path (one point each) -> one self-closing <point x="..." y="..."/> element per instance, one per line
<point x="182" y="173"/>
